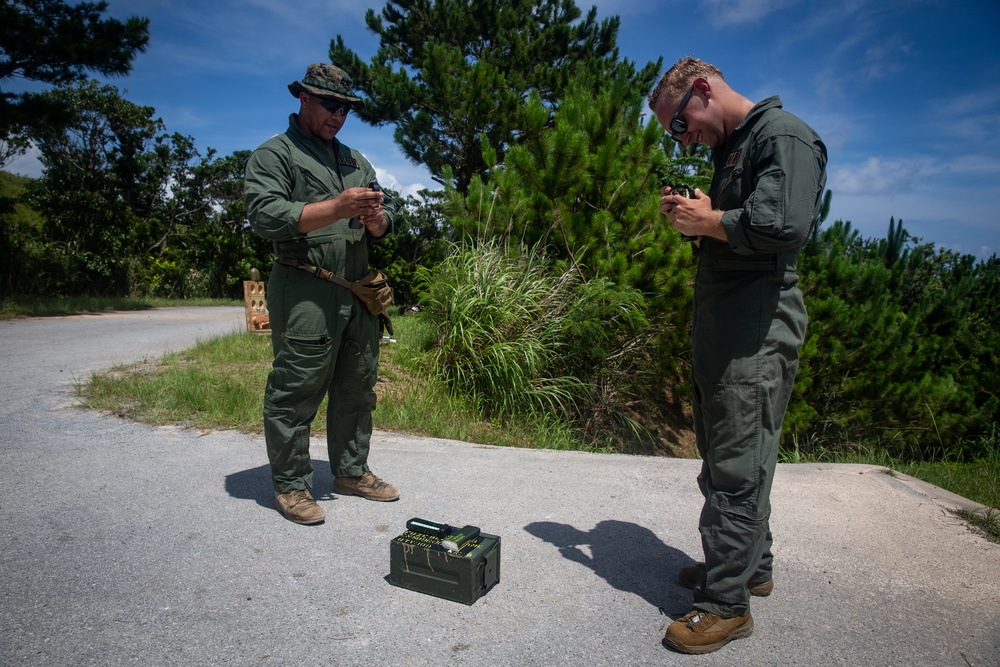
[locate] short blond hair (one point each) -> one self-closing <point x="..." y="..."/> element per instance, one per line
<point x="676" y="80"/>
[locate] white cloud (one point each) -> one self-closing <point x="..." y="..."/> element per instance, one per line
<point x="885" y="58"/>
<point x="973" y="165"/>
<point x="739" y="12"/>
<point x="388" y="180"/>
<point x="971" y="117"/>
<point x="875" y="176"/>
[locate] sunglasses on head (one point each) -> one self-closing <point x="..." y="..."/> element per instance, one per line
<point x="678" y="126"/>
<point x="333" y="106"/>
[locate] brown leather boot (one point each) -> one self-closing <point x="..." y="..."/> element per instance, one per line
<point x="299" y="506"/>
<point x="688" y="577"/>
<point x="704" y="632"/>
<point x="367" y="486"/>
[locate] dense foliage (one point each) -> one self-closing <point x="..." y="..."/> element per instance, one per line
<point x="128" y="209"/>
<point x="584" y="190"/>
<point x="554" y="284"/>
<point x="903" y="344"/>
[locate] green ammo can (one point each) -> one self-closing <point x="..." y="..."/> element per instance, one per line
<point x="454" y="565"/>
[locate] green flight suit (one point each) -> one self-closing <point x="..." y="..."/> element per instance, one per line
<point x="748" y="325"/>
<point x="325" y="342"/>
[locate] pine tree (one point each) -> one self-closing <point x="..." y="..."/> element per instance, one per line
<point x="52" y="42"/>
<point x="895" y="355"/>
<point x="585" y="186"/>
<point x="464" y="70"/>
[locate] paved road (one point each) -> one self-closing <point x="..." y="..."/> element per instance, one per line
<point x="123" y="544"/>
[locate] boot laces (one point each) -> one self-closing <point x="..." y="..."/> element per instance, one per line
<point x="298" y="497"/>
<point x="370" y="479"/>
<point x="699" y="620"/>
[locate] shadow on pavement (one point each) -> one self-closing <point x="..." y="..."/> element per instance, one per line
<point x="628" y="556"/>
<point x="255" y="484"/>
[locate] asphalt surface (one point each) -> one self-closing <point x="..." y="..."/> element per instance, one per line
<point x="124" y="544"/>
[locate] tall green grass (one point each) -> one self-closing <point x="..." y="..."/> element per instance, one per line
<point x="499" y="320"/>
<point x="413" y="399"/>
<point x="522" y="336"/>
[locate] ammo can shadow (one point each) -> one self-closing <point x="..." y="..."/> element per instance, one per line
<point x="626" y="555"/>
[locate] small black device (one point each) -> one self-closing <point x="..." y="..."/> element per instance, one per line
<point x="355" y="223"/>
<point x="427" y="527"/>
<point x="686" y="192"/>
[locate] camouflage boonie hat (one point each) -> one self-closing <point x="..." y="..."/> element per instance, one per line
<point x="325" y="80"/>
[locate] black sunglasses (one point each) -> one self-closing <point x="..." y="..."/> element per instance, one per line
<point x="678" y="126"/>
<point x="333" y="106"/>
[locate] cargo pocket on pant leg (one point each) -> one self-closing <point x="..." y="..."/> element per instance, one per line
<point x="300" y="375"/>
<point x="734" y="449"/>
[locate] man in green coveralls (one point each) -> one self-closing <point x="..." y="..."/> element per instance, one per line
<point x="317" y="200"/>
<point x="748" y="325"/>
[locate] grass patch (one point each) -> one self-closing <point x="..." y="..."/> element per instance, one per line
<point x="219" y="385"/>
<point x="19" y="307"/>
<point x="985" y="522"/>
<point x="977" y="480"/>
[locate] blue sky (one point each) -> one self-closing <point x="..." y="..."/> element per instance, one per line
<point x="906" y="93"/>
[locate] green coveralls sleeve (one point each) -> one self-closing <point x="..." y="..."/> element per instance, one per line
<point x="778" y="213"/>
<point x="272" y="214"/>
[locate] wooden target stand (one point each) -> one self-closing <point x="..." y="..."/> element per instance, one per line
<point x="256" y="306"/>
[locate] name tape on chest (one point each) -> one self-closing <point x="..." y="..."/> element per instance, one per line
<point x="349" y="161"/>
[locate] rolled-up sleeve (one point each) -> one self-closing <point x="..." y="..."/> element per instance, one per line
<point x="778" y="214"/>
<point x="268" y="188"/>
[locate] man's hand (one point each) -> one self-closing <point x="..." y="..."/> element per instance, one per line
<point x="355" y="202"/>
<point x="692" y="217"/>
<point x="351" y="203"/>
<point x="375" y="222"/>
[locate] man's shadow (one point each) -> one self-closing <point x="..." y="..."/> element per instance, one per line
<point x="629" y="557"/>
<point x="255" y="484"/>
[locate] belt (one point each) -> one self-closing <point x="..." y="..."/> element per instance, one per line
<point x="766" y="263"/>
<point x="317" y="271"/>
